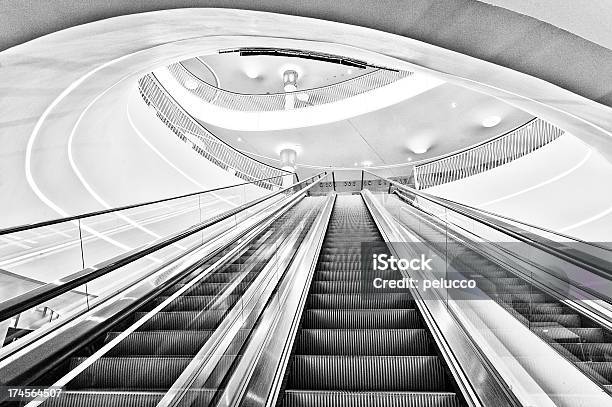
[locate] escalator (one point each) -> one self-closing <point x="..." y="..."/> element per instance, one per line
<point x="577" y="338"/>
<point x="358" y="346"/>
<point x="580" y="340"/>
<point x="146" y="362"/>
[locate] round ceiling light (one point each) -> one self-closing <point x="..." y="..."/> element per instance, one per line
<point x="491" y="121"/>
<point x="419" y="150"/>
<point x="191" y="84"/>
<point x="251" y="71"/>
<point x="366" y="163"/>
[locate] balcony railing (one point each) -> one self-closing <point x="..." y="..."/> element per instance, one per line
<point x="203" y="141"/>
<point x="487" y="155"/>
<point x="277" y="101"/>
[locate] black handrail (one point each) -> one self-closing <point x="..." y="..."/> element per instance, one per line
<point x="457" y="207"/>
<point x="21" y="228"/>
<point x="32" y="298"/>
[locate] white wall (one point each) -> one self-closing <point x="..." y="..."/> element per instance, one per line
<point x="564" y="186"/>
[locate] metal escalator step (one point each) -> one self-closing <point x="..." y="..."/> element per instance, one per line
<point x="339" y="287"/>
<point x="177" y="343"/>
<point x="540" y="308"/>
<point x="223" y="277"/>
<point x="361" y="318"/>
<point x="372" y="342"/>
<point x="505" y="281"/>
<point x="314" y="398"/>
<point x="570" y="334"/>
<point x="490" y="288"/>
<point x="528" y="298"/>
<point x="595" y="352"/>
<point x="366" y="373"/>
<point x="198" y="302"/>
<point x="354" y="275"/>
<point x="361" y="301"/>
<point x="326" y="250"/>
<point x="493" y="273"/>
<point x="209" y="288"/>
<point x="601" y="370"/>
<point x="340" y="257"/>
<point x="567" y="320"/>
<point x="105" y="399"/>
<point x="129" y="373"/>
<point x="334" y="266"/>
<point x="182" y="320"/>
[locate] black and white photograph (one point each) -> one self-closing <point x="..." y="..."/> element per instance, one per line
<point x="305" y="203"/>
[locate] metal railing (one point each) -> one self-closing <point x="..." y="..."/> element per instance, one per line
<point x="277" y="101"/>
<point x="23" y="302"/>
<point x="487" y="155"/>
<point x="202" y="141"/>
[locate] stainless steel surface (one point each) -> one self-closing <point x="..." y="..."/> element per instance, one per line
<point x="258" y="378"/>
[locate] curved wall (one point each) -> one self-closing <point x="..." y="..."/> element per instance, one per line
<point x="486" y="32"/>
<point x="563" y="186"/>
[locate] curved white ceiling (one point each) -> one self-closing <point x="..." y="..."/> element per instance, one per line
<point x="264" y="73"/>
<point x="375" y="99"/>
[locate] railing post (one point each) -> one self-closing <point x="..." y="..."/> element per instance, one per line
<point x="334" y="180"/>
<point x="362" y="173"/>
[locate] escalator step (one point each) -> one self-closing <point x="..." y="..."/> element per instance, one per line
<point x="361" y="301"/>
<point x="595" y="352"/>
<point x="567" y="320"/>
<point x="528" y="298"/>
<point x="571" y="334"/>
<point x="366" y="373"/>
<point x="353" y="275"/>
<point x="373" y="342"/>
<point x="197" y="302"/>
<point x="311" y="398"/>
<point x="223" y="277"/>
<point x="105" y="399"/>
<point x="602" y="370"/>
<point x="340" y="257"/>
<point x="361" y="319"/>
<point x="331" y="287"/>
<point x="129" y="373"/>
<point x="177" y="343"/>
<point x="208" y="288"/>
<point x="185" y="320"/>
<point x="540" y="308"/>
<point x="344" y="266"/>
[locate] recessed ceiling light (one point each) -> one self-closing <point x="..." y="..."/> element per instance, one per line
<point x="366" y="163"/>
<point x="191" y="84"/>
<point x="349" y="71"/>
<point x="356" y="164"/>
<point x="251" y="72"/>
<point x="453" y="105"/>
<point x="409" y="159"/>
<point x="419" y="150"/>
<point x="491" y="121"/>
<point x="239" y="139"/>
